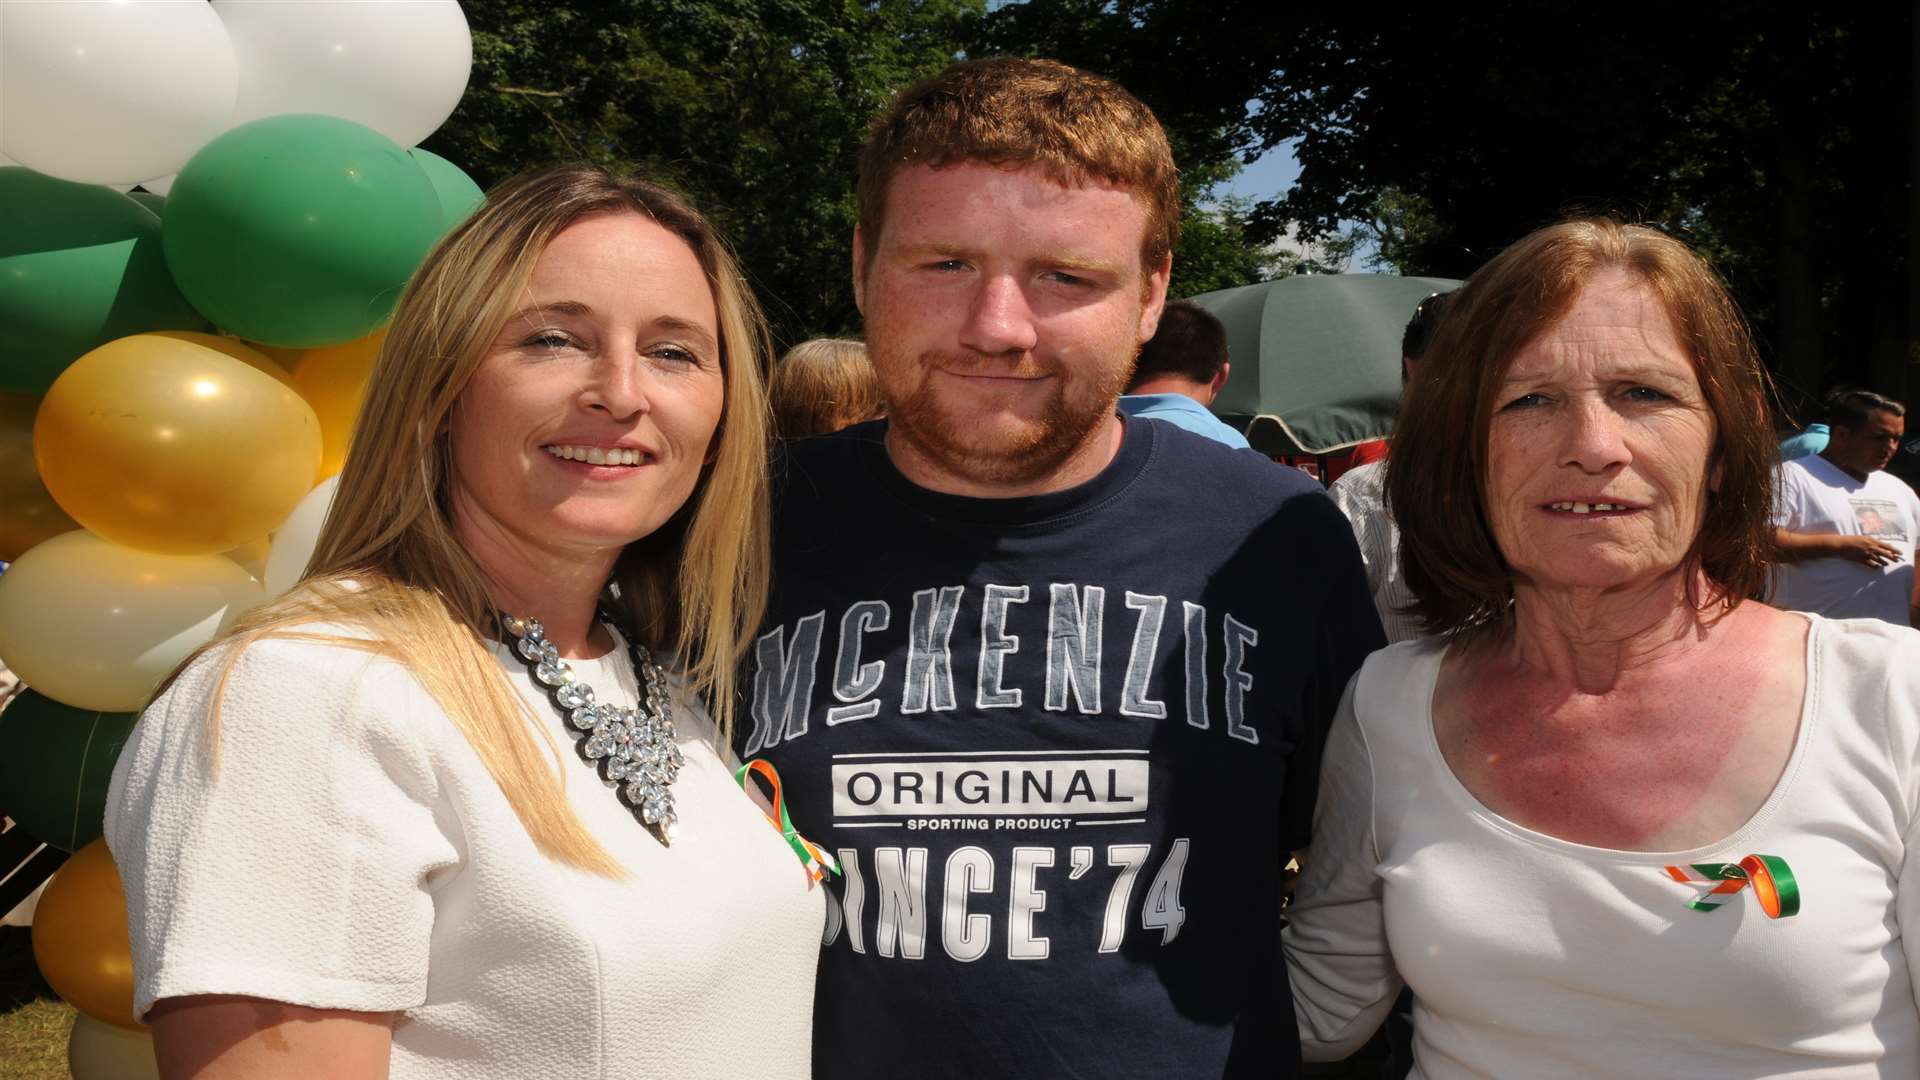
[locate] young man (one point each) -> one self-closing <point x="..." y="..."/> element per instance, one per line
<point x="1051" y="684"/>
<point x="1845" y="527"/>
<point x="1180" y="371"/>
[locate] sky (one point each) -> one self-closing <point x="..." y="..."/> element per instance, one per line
<point x="1269" y="177"/>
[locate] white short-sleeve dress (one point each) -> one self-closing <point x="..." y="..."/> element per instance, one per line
<point x="343" y="847"/>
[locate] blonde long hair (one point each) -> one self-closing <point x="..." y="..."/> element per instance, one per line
<point x="823" y="385"/>
<point x="389" y="564"/>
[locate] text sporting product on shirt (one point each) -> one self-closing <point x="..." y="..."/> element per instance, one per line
<point x="1060" y="746"/>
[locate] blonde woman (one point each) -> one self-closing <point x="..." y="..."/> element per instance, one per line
<point x="384" y="828"/>
<point x="822" y="386"/>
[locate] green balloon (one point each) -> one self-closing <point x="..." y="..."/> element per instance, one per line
<point x="80" y="265"/>
<point x="153" y="202"/>
<point x="459" y="195"/>
<point x="55" y="764"/>
<point x="299" y="230"/>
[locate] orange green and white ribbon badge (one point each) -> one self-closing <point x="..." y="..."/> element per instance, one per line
<point x="1773" y="884"/>
<point x="812" y="856"/>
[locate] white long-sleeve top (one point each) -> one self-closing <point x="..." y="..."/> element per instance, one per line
<point x="1530" y="956"/>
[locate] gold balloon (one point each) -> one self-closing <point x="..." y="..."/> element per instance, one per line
<point x="80" y="937"/>
<point x="97" y="1051"/>
<point x="28" y="514"/>
<point x="333" y="379"/>
<point x="96" y="625"/>
<point x="279" y="354"/>
<point x="244" y="351"/>
<point x="171" y="446"/>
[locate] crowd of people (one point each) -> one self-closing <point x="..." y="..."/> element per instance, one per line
<point x="967" y="728"/>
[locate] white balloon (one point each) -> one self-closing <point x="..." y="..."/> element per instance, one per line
<point x="397" y="66"/>
<point x="97" y="1050"/>
<point x="112" y="93"/>
<point x="160" y="185"/>
<point x="293" y="543"/>
<point x="96" y="626"/>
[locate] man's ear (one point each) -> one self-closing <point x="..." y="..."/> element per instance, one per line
<point x="859" y="270"/>
<point x="1220" y="380"/>
<point x="1156" y="289"/>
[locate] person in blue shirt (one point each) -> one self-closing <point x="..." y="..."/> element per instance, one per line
<point x="1180" y="371"/>
<point x="1805" y="443"/>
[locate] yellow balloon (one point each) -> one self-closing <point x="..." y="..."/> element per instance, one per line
<point x="333" y="379"/>
<point x="96" y="626"/>
<point x="97" y="1051"/>
<point x="279" y="354"/>
<point x="28" y="514"/>
<point x="171" y="446"/>
<point x="244" y="351"/>
<point x="80" y="937"/>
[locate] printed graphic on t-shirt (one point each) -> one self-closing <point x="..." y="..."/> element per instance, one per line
<point x="1879" y="518"/>
<point x="991" y="802"/>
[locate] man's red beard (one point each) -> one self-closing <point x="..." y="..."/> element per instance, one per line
<point x="989" y="453"/>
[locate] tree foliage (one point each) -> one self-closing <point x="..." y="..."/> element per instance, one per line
<point x="755" y="108"/>
<point x="1776" y="138"/>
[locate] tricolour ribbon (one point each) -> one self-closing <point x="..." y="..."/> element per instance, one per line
<point x="1772" y="880"/>
<point x="812" y="856"/>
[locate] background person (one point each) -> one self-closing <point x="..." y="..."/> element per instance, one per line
<point x="1845" y="527"/>
<point x="822" y="386"/>
<point x="1180" y="371"/>
<point x="1807" y="441"/>
<point x="1051" y="682"/>
<point x="1361" y="494"/>
<point x="358" y="836"/>
<point x="1612" y="820"/>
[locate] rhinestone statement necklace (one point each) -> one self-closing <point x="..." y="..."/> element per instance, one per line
<point x="633" y="749"/>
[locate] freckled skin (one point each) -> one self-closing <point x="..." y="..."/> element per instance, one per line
<point x="1613" y="714"/>
<point x="1003" y="312"/>
<point x="1668" y="759"/>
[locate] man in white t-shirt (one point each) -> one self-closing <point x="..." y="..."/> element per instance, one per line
<point x="1845" y="528"/>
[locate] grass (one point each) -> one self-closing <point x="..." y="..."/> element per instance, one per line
<point x="34" y="1023"/>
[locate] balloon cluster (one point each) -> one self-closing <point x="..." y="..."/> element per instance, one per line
<point x="180" y="367"/>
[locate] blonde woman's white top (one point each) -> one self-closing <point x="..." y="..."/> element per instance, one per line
<point x="1530" y="956"/>
<point x="350" y="851"/>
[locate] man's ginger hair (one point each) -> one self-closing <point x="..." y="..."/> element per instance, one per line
<point x="1076" y="127"/>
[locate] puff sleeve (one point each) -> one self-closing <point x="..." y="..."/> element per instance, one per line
<point x="289" y="850"/>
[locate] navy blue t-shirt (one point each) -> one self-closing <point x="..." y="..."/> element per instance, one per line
<point x="1061" y="746"/>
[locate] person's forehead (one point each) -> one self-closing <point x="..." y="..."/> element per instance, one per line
<point x="1615" y="322"/>
<point x="951" y="198"/>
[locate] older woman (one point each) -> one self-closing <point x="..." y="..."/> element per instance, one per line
<point x="454" y="807"/>
<point x="1615" y="818"/>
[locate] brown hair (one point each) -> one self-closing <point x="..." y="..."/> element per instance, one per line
<point x="1191" y="343"/>
<point x="1436" y="481"/>
<point x="389" y="565"/>
<point x="1075" y="126"/>
<point x="1851" y="407"/>
<point x="821" y="386"/>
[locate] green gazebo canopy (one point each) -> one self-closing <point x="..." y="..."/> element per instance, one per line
<point x="1316" y="357"/>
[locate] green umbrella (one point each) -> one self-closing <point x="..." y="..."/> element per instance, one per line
<point x="1316" y="357"/>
